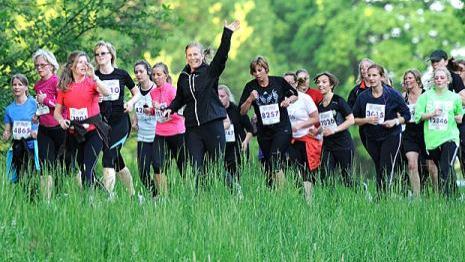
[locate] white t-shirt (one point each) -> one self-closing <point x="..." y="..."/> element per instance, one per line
<point x="299" y="111"/>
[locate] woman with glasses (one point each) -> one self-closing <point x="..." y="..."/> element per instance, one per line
<point x="50" y="136"/>
<point x="381" y="110"/>
<point x="115" y="112"/>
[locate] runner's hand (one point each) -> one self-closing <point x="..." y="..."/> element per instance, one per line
<point x="232" y="26"/>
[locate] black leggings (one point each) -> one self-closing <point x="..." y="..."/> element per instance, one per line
<point x="23" y="158"/>
<point x="232" y="159"/>
<point x="175" y="145"/>
<point x="205" y="142"/>
<point x="50" y="141"/>
<point x="86" y="154"/>
<point x="298" y="158"/>
<point x="444" y="156"/>
<point x="274" y="149"/>
<point x="145" y="155"/>
<point x="340" y="159"/>
<point x="385" y="155"/>
<point x="112" y="157"/>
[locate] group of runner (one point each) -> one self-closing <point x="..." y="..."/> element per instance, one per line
<point x="82" y="112"/>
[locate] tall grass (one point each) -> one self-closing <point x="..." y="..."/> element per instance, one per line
<point x="212" y="224"/>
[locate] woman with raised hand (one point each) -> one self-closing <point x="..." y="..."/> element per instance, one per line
<point x="51" y="136"/>
<point x="145" y="123"/>
<point x="441" y="110"/>
<point x="270" y="96"/>
<point x="413" y="142"/>
<point x="21" y="125"/>
<point x="198" y="92"/>
<point x="115" y="112"/>
<point x="335" y="119"/>
<point x="169" y="138"/>
<point x="238" y="134"/>
<point x="380" y="110"/>
<point x="78" y="96"/>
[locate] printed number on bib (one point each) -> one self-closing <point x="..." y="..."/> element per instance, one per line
<point x="139" y="108"/>
<point x="42" y="110"/>
<point x="78" y="114"/>
<point x="270" y="114"/>
<point x="438" y="122"/>
<point x="230" y="137"/>
<point x="114" y="87"/>
<point x="412" y="112"/>
<point x="327" y="120"/>
<point x="21" y="129"/>
<point x="376" y="110"/>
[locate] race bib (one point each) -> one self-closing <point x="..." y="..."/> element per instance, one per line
<point x="114" y="87"/>
<point x="376" y="110"/>
<point x="230" y="137"/>
<point x="78" y="114"/>
<point x="159" y="114"/>
<point x="270" y="114"/>
<point x="42" y="110"/>
<point x="21" y="129"/>
<point x="139" y="108"/>
<point x="438" y="122"/>
<point x="327" y="120"/>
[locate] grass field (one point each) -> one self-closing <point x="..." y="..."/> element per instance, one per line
<point x="266" y="225"/>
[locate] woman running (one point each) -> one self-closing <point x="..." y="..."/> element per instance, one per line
<point x="238" y="135"/>
<point x="50" y="136"/>
<point x="270" y="96"/>
<point x="21" y="124"/>
<point x="441" y="110"/>
<point x="413" y="142"/>
<point x="305" y="148"/>
<point x="204" y="113"/>
<point x="145" y="124"/>
<point x="169" y="138"/>
<point x="377" y="110"/>
<point x="114" y="111"/>
<point x="335" y="119"/>
<point x="78" y="96"/>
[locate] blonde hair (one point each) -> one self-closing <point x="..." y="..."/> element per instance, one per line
<point x="110" y="48"/>
<point x="226" y="89"/>
<point x="66" y="77"/>
<point x="359" y="76"/>
<point x="445" y="70"/>
<point x="48" y="56"/>
<point x="259" y="61"/>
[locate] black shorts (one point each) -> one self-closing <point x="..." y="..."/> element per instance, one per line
<point x="413" y="143"/>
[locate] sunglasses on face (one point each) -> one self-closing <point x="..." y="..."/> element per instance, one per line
<point x="101" y="53"/>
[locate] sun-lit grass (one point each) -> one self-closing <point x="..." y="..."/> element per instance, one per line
<point x="213" y="224"/>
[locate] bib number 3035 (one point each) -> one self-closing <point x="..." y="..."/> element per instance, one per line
<point x="270" y="114"/>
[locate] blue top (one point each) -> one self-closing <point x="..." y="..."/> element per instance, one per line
<point x="392" y="102"/>
<point x="21" y="112"/>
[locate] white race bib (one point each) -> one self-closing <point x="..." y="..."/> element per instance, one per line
<point x="139" y="108"/>
<point x="327" y="120"/>
<point x="78" y="114"/>
<point x="376" y="110"/>
<point x="42" y="110"/>
<point x="114" y="87"/>
<point x="159" y="114"/>
<point x="270" y="114"/>
<point x="438" y="122"/>
<point x="229" y="133"/>
<point x="21" y="129"/>
<point x="412" y="113"/>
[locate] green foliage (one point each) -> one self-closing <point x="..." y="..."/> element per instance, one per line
<point x="64" y="26"/>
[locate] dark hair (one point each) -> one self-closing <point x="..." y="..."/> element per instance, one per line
<point x="147" y="67"/>
<point x="259" y="61"/>
<point x="67" y="75"/>
<point x="23" y="79"/>
<point x="332" y="78"/>
<point x="165" y="69"/>
<point x="380" y="69"/>
<point x="291" y="74"/>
